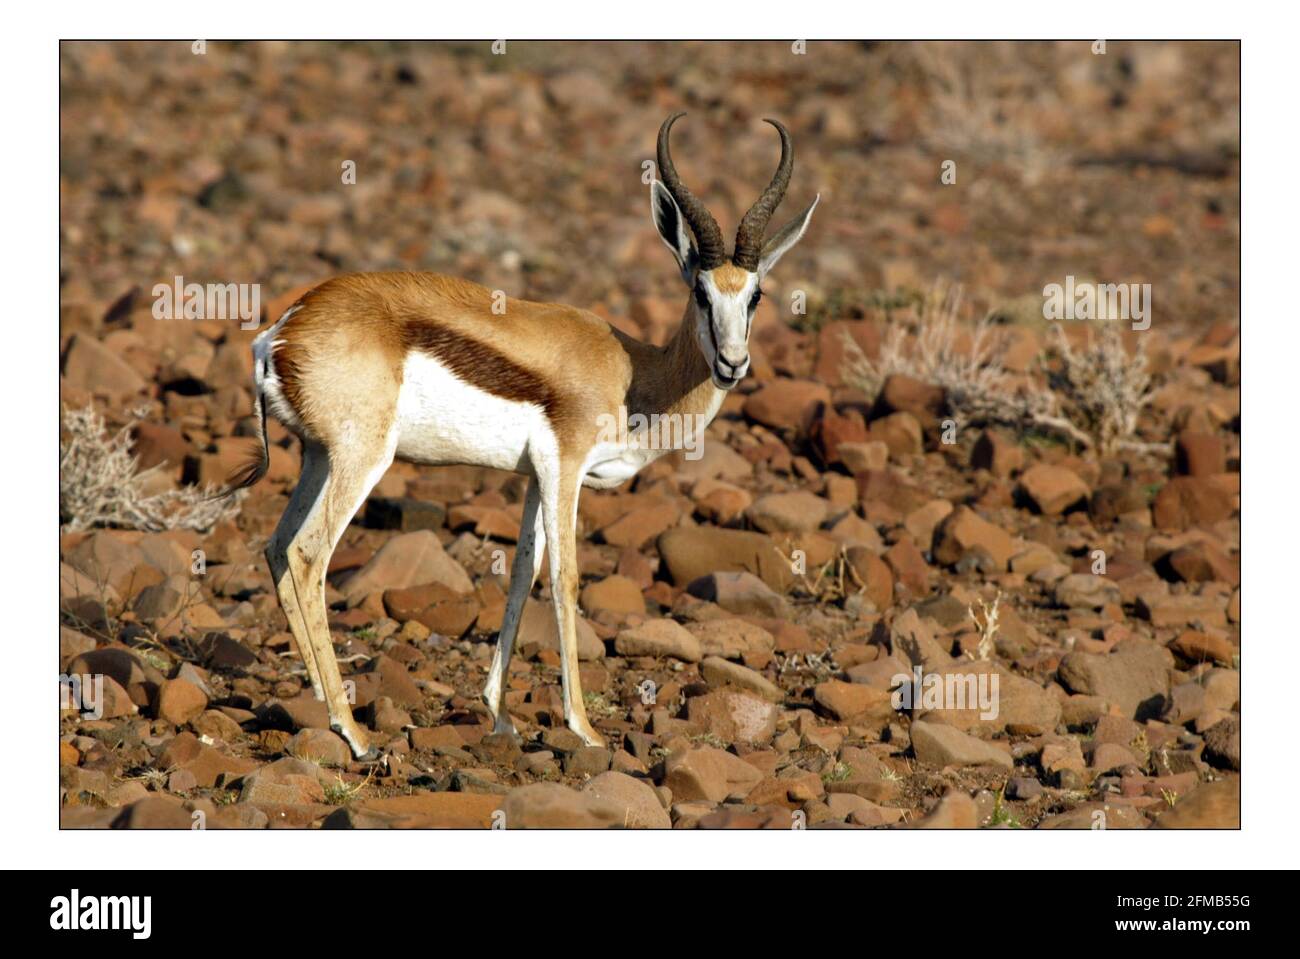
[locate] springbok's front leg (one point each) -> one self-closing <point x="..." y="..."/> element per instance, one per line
<point x="559" y="517"/>
<point x="523" y="573"/>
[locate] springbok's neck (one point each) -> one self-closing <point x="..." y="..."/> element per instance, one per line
<point x="675" y="377"/>
<point x="689" y="385"/>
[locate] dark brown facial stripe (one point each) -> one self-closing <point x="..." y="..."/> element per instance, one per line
<point x="480" y="365"/>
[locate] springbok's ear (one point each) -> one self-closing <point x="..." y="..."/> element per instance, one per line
<point x="784" y="238"/>
<point x="672" y="229"/>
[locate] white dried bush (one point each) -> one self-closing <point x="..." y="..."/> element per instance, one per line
<point x="1093" y="396"/>
<point x="1103" y="390"/>
<point x="100" y="483"/>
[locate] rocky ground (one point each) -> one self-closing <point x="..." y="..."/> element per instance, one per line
<point x="745" y="614"/>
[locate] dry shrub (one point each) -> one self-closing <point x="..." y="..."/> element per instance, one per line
<point x="1091" y="397"/>
<point x="100" y="483"/>
<point x="1102" y="389"/>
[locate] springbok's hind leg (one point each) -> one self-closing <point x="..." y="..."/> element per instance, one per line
<point x="523" y="573"/>
<point x="332" y="488"/>
<point x="315" y="472"/>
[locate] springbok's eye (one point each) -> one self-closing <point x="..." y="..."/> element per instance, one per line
<point x="702" y="299"/>
<point x="753" y="300"/>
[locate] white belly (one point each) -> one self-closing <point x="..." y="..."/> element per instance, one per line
<point x="610" y="465"/>
<point x="442" y="420"/>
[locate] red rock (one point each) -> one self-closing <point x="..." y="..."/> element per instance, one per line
<point x="732" y="638"/>
<point x="884" y="486"/>
<point x="853" y="701"/>
<point x="1215" y="805"/>
<point x="396" y="682"/>
<point x="410" y="559"/>
<point x="939" y="745"/>
<point x="616" y="594"/>
<point x="741" y="593"/>
<point x="659" y="638"/>
<point x="1111" y="501"/>
<point x="180" y="701"/>
<point x="965" y="530"/>
<point x="873" y="575"/>
<point x="634" y="566"/>
<point x="640" y="803"/>
<point x="1164" y="610"/>
<point x="956" y="810"/>
<point x="1199" y="647"/>
<point x="900" y="432"/>
<point x="420" y="810"/>
<point x="704" y="772"/>
<point x="920" y="523"/>
<point x="996" y="452"/>
<point x="636" y="528"/>
<point x="909" y="566"/>
<point x="864" y="457"/>
<point x="89" y="365"/>
<point x="155" y="812"/>
<point x="734" y="717"/>
<point x="538" y="631"/>
<point x="786" y="404"/>
<point x="722" y="503"/>
<point x="1200" y="562"/>
<point x="717" y="671"/>
<point x="1053" y="489"/>
<point x="795" y="512"/>
<point x="1199" y="454"/>
<point x="408" y="514"/>
<point x="904" y="394"/>
<point x="690" y="553"/>
<point x="552" y="806"/>
<point x="110" y="559"/>
<point x="434" y="605"/>
<point x="832" y="430"/>
<point x="1134" y="677"/>
<point x="1190" y="501"/>
<point x="156" y="443"/>
<point x="320" y="746"/>
<point x="491" y="522"/>
<point x="832" y="349"/>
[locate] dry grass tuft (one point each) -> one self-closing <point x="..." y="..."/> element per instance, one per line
<point x="100" y="483"/>
<point x="1091" y="397"/>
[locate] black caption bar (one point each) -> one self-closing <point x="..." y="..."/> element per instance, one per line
<point x="135" y="908"/>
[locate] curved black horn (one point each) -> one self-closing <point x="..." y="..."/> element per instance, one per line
<point x="713" y="250"/>
<point x="749" y="237"/>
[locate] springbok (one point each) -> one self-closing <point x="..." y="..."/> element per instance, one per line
<point x="367" y="367"/>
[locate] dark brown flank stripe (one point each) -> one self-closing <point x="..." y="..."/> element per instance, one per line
<point x="480" y="365"/>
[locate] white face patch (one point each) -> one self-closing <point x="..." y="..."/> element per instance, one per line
<point x="723" y="324"/>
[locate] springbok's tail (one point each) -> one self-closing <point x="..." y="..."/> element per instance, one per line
<point x="260" y="461"/>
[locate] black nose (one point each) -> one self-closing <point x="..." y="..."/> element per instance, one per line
<point x="726" y="372"/>
<point x="729" y="368"/>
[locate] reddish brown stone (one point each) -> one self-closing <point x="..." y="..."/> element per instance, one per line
<point x="1199" y="454"/>
<point x="997" y="453"/>
<point x="1190" y="501"/>
<point x="903" y="394"/>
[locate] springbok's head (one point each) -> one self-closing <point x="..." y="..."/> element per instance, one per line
<point x="724" y="292"/>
